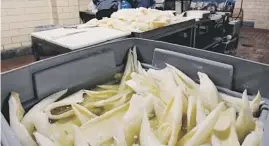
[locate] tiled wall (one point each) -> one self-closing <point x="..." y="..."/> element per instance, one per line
<point x="65" y="11"/>
<point x="257" y="11"/>
<point x="20" y="17"/>
<point x="83" y="4"/>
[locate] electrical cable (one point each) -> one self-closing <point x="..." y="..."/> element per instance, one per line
<point x="189" y="5"/>
<point x="182" y="7"/>
<point x="240" y="11"/>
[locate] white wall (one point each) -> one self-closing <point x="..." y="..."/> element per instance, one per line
<point x="83" y="4"/>
<point x="257" y="11"/>
<point x="19" y="17"/>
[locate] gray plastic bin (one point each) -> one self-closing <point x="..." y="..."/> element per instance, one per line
<point x="88" y="67"/>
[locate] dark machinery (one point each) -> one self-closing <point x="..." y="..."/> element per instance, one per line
<point x="224" y="32"/>
<point x="215" y="32"/>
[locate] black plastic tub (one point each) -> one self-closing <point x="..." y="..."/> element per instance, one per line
<point x="166" y="30"/>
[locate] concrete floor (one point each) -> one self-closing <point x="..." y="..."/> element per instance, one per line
<point x="16" y="62"/>
<point x="13" y="63"/>
<point x="253" y="45"/>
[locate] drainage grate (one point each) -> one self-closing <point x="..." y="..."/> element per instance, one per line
<point x="247" y="45"/>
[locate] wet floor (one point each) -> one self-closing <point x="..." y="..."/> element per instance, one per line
<point x="16" y="62"/>
<point x="254" y="45"/>
<point x="13" y="63"/>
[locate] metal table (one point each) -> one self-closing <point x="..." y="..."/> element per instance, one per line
<point x="42" y="47"/>
<point x="48" y="43"/>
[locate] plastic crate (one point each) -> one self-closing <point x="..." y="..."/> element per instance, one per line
<point x="88" y="67"/>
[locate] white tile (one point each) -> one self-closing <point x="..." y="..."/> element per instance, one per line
<point x="24" y="4"/>
<point x="5" y="41"/>
<point x="13" y="11"/>
<point x="73" y="2"/>
<point x="37" y="10"/>
<point x="9" y="33"/>
<point x="4" y="26"/>
<point x="70" y="21"/>
<point x="8" y="19"/>
<point x="26" y="24"/>
<point x="35" y="16"/>
<point x="16" y="25"/>
<point x="86" y="2"/>
<point x="83" y="7"/>
<point x="56" y="9"/>
<point x="13" y="4"/>
<point x="61" y="3"/>
<point x="70" y="9"/>
<point x="63" y="15"/>
<point x="55" y="15"/>
<point x="46" y="21"/>
<point x="3" y="12"/>
<point x="36" y="3"/>
<point x="11" y="46"/>
<point x="23" y="18"/>
<point x="21" y="38"/>
<point x="27" y="43"/>
<point x="74" y="15"/>
<point x="26" y="31"/>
